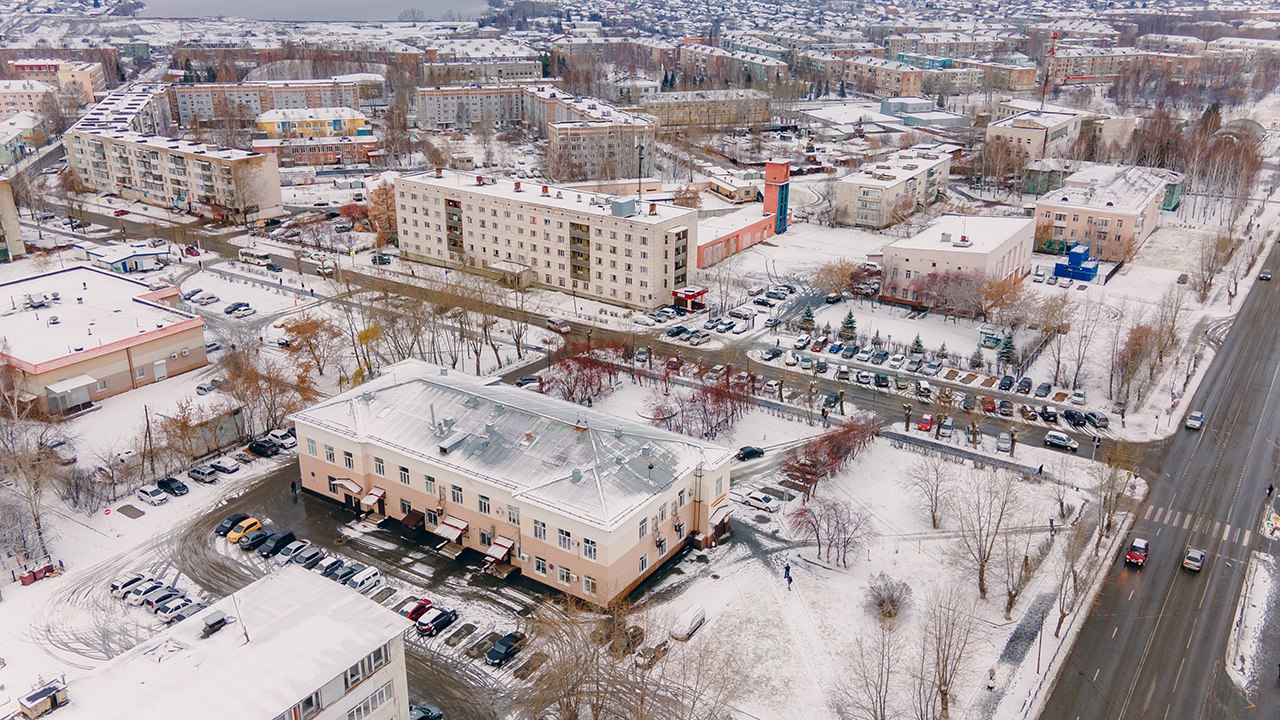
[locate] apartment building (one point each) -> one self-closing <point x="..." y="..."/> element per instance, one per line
<point x="11" y="245"/>
<point x="1247" y="49"/>
<point x="1074" y="65"/>
<point x="733" y="65"/>
<point x="639" y="52"/>
<point x="722" y="109"/>
<point x="598" y="149"/>
<point x="193" y="102"/>
<point x="312" y="122"/>
<point x="622" y="252"/>
<point x="1112" y="209"/>
<point x="994" y="248"/>
<point x="884" y="78"/>
<point x="581" y="501"/>
<point x="1034" y="134"/>
<point x="461" y="106"/>
<point x="459" y="61"/>
<point x="25" y="96"/>
<point x="952" y="44"/>
<point x="742" y="42"/>
<point x="73" y="76"/>
<point x="115" y="148"/>
<point x="1180" y="44"/>
<point x="1079" y="29"/>
<point x="18" y="137"/>
<point x="113" y="334"/>
<point x="885" y="193"/>
<point x="291" y="646"/>
<point x="319" y="150"/>
<point x="1002" y="76"/>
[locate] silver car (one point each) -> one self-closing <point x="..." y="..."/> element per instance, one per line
<point x="1004" y="443"/>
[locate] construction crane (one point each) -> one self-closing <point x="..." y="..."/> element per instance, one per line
<point x="1044" y="88"/>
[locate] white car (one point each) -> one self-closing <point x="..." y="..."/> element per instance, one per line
<point x="771" y="388"/>
<point x="283" y="439"/>
<point x="166" y="611"/>
<point x="896" y="361"/>
<point x="285" y="556"/>
<point x="762" y="501"/>
<point x="152" y="495"/>
<point x="225" y="465"/>
<point x="806" y="363"/>
<point x="244" y="312"/>
<point x="1077" y="398"/>
<point x="864" y="377"/>
<point x="207" y="299"/>
<point x="644" y="320"/>
<point x="791" y="359"/>
<point x="801" y="342"/>
<point x="1195" y="421"/>
<point x="204" y="389"/>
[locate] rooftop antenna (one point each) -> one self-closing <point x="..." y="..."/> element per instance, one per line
<point x="244" y="627"/>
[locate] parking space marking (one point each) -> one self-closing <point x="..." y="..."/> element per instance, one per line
<point x="1226" y="532"/>
<point x="1147" y="515"/>
<point x="1216" y="523"/>
<point x="1247" y="534"/>
<point x="1159" y="514"/>
<point x="1176" y="518"/>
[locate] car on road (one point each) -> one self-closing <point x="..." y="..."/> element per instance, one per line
<point x="1006" y="383"/>
<point x="254" y="540"/>
<point x="771" y="388"/>
<point x="381" y="259"/>
<point x="772" y="322"/>
<point x="1137" y="552"/>
<point x="244" y="312"/>
<point x="1043" y="390"/>
<point x="1193" y="559"/>
<point x="1004" y="442"/>
<point x="1264" y="275"/>
<point x="1097" y="419"/>
<point x="925" y="423"/>
<point x="414" y="608"/>
<point x="435" y="619"/>
<point x="505" y="649"/>
<point x="1195" y="421"/>
<point x="127" y="583"/>
<point x="263" y="448"/>
<point x="173" y="486"/>
<point x="762" y="501"/>
<point x="120" y="213"/>
<point x="242" y="528"/>
<point x="749" y="452"/>
<point x="275" y="267"/>
<point x="152" y="495"/>
<point x="309" y="557"/>
<point x="1058" y="439"/>
<point x="232" y="307"/>
<point x="1024" y="386"/>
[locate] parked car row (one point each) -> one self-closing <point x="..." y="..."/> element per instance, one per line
<point x="165" y="601"/>
<point x="429" y="618"/>
<point x="282" y="547"/>
<point x="159" y="492"/>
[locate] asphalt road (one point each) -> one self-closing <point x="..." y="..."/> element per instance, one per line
<point x="1154" y="643"/>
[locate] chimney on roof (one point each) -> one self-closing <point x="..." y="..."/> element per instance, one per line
<point x="479" y="180"/>
<point x="439" y="172"/>
<point x="946" y="237"/>
<point x="653" y="208"/>
<point x="517" y="186"/>
<point x="546" y="191"/>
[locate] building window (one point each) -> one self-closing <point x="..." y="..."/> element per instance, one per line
<point x="311" y="447"/>
<point x="589" y="585"/>
<point x="644" y="527"/>
<point x="539" y="530"/>
<point x="680" y="498"/>
<point x="540" y="566"/>
<point x="379" y="467"/>
<point x="719" y="486"/>
<point x="140" y="373"/>
<point x="662" y="546"/>
<point x="348" y="459"/>
<point x="406" y="507"/>
<point x="513" y="514"/>
<point x="431" y="485"/>
<point x="662" y="513"/>
<point x="102" y="385"/>
<point x="370" y="704"/>
<point x="484" y="505"/>
<point x="644" y="562"/>
<point x="457" y="494"/>
<point x="563" y="539"/>
<point x="566" y="577"/>
<point x="404" y="475"/>
<point x="589" y="549"/>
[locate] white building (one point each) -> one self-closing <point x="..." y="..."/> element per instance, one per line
<point x="887" y="192"/>
<point x="1034" y="135"/>
<point x="622" y="252"/>
<point x="295" y="645"/>
<point x="992" y="248"/>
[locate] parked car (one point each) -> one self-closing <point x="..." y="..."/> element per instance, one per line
<point x="925" y="423"/>
<point x="913" y="365"/>
<point x="1195" y="421"/>
<point x="225" y="465"/>
<point x="1049" y="414"/>
<point x="380" y="259"/>
<point x="175" y="605"/>
<point x="231" y="521"/>
<point x="1193" y="559"/>
<point x="160" y="598"/>
<point x="896" y="361"/>
<point x="770" y="388"/>
<point x="290" y="551"/>
<point x="1077" y="398"/>
<point x="148" y="599"/>
<point x="749" y="452"/>
<point x="806" y="362"/>
<point x="505" y="649"/>
<point x="988" y="404"/>
<point x="414" y="608"/>
<point x="1006" y="383"/>
<point x="242" y="528"/>
<point x="819" y="343"/>
<point x="141" y="589"/>
<point x="203" y="474"/>
<point x="120" y="213"/>
<point x="801" y="342"/>
<point x="123" y="585"/>
<point x="946" y="429"/>
<point x="263" y="448"/>
<point x="232" y="307"/>
<point x="762" y="501"/>
<point x="62" y="450"/>
<point x="244" y="312"/>
<point x="1074" y="418"/>
<point x="1097" y="419"/>
<point x="1024" y="386"/>
<point x="1004" y="442"/>
<point x="820" y="366"/>
<point x="1005" y="407"/>
<point x="864" y="377"/>
<point x="278" y="541"/>
<point x="849" y="352"/>
<point x="879" y="357"/>
<point x="435" y="619"/>
<point x="191" y="294"/>
<point x="831" y="400"/>
<point x="344" y="574"/>
<point x="764" y="302"/>
<point x="329" y="566"/>
<point x="283" y="439"/>
<point x="186" y="612"/>
<point x="932" y="369"/>
<point x="1057" y="439"/>
<point x="771" y="354"/>
<point x="254" y="540"/>
<point x="864" y="355"/>
<point x="835" y="348"/>
<point x="1043" y="390"/>
<point x="152" y="495"/>
<point x="1137" y="552"/>
<point x="647" y="657"/>
<point x="882" y="380"/>
<point x="173" y="486"/>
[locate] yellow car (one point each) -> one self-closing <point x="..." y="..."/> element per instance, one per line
<point x="242" y="528"/>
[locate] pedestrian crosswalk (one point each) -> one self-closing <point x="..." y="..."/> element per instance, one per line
<point x="1206" y="527"/>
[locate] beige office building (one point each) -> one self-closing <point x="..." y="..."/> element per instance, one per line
<point x="584" y="502"/>
<point x="719" y="109"/>
<point x="621" y="252"/>
<point x="885" y="193"/>
<point x="1111" y="209"/>
<point x="80" y="78"/>
<point x="25" y="96"/>
<point x="992" y="248"/>
<point x="1035" y="135"/>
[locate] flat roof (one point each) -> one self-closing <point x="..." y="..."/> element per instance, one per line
<point x="1036" y="118"/>
<point x="984" y="233"/>
<point x="903" y="164"/>
<point x="1113" y="188"/>
<point x="530" y="194"/>
<point x="293" y="631"/>
<point x="113" y="310"/>
<point x="296" y="114"/>
<point x="572" y="460"/>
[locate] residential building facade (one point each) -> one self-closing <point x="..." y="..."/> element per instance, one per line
<point x="1034" y="135"/>
<point x="1071" y="66"/>
<point x="312" y="122"/>
<point x="736" y="108"/>
<point x="346" y="150"/>
<point x="191" y="103"/>
<point x="11" y="245"/>
<point x="990" y="248"/>
<point x="1112" y="209"/>
<point x="79" y="78"/>
<point x="25" y="96"/>
<point x="884" y="78"/>
<point x="885" y="193"/>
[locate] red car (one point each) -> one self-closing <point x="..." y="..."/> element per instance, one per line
<point x="988" y="404"/>
<point x="925" y="422"/>
<point x="818" y="344"/>
<point x="414" y="609"/>
<point x="121" y="213"/>
<point x="191" y="251"/>
<point x="1137" y="553"/>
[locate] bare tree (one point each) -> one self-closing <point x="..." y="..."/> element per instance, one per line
<point x="931" y="478"/>
<point x="1072" y="571"/>
<point x="1019" y="562"/>
<point x="980" y="508"/>
<point x="1084" y="325"/>
<point x="874" y="671"/>
<point x="887" y="598"/>
<point x="948" y="629"/>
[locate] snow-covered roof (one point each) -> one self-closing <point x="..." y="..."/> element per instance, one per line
<point x="293" y="632"/>
<point x="297" y="114"/>
<point x="1108" y="187"/>
<point x="14" y="86"/>
<point x="114" y="309"/>
<point x="912" y="162"/>
<point x="1036" y="119"/>
<point x="567" y="458"/>
<point x="976" y="234"/>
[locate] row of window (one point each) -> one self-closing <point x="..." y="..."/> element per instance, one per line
<point x="371" y="703"/>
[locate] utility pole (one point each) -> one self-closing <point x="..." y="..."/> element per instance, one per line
<point x="639" y="171"/>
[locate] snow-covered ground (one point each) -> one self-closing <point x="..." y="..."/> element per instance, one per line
<point x="1252" y="615"/>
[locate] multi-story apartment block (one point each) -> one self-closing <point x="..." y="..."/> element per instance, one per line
<point x="622" y="252"/>
<point x="460" y="61"/>
<point x="992" y="248"/>
<point x="25" y="96"/>
<point x="461" y="106"/>
<point x="581" y="501"/>
<point x="1003" y="76"/>
<point x="1247" y="49"/>
<point x="1091" y="31"/>
<point x="190" y="103"/>
<point x="736" y="66"/>
<point x="82" y="79"/>
<point x="312" y="122"/>
<point x="1181" y="44"/>
<point x="346" y="150"/>
<point x="1070" y="66"/>
<point x="640" y="52"/>
<point x="290" y="646"/>
<point x="885" y="78"/>
<point x="603" y="149"/>
<point x="885" y="193"/>
<point x="743" y="42"/>
<point x="114" y="148"/>
<point x="11" y="245"/>
<point x="951" y="44"/>
<point x="1034" y="135"/>
<point x="1111" y="209"/>
<point x="736" y="108"/>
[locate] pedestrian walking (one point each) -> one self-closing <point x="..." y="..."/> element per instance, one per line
<point x="293" y="488"/>
<point x="1040" y="471"/>
<point x="1052" y="530"/>
<point x="1270" y="489"/>
<point x="788" y="583"/>
<point x="786" y="571"/>
<point x="777" y="343"/>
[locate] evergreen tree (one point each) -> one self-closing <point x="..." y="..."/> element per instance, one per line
<point x="917" y="346"/>
<point x="1008" y="353"/>
<point x="849" y="327"/>
<point x="942" y="351"/>
<point x="875" y="339"/>
<point x="806" y="320"/>
<point x="975" y="360"/>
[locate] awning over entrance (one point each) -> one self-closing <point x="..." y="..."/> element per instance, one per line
<point x="349" y="485"/>
<point x="451" y="528"/>
<point x="373" y="497"/>
<point x="720" y="514"/>
<point x="500" y="548"/>
<point x="71" y="383"/>
<point x="412" y="520"/>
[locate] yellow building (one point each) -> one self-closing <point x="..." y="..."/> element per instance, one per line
<point x="313" y="122"/>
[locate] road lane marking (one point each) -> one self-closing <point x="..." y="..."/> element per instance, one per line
<point x="1178" y="677"/>
<point x="1192" y="634"/>
<point x="1095" y="679"/>
<point x="1159" y="514"/>
<point x="1176" y="518"/>
<point x="1247" y="534"/>
<point x="1196" y="529"/>
<point x="1236" y="537"/>
<point x="1216" y="523"/>
<point x="1131" y="594"/>
<point x="1147" y="515"/>
<point x="1226" y="532"/>
<point x="1186" y="524"/>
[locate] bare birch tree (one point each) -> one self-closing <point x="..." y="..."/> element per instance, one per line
<point x="980" y="508"/>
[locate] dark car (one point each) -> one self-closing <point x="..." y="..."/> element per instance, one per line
<point x="173" y="486"/>
<point x="1074" y="418"/>
<point x="882" y="380"/>
<point x="254" y="540"/>
<point x="749" y="452"/>
<point x="425" y="712"/>
<point x="275" y="267"/>
<point x="334" y="570"/>
<point x="849" y="352"/>
<point x="276" y="543"/>
<point x="381" y="260"/>
<point x="263" y="448"/>
<point x="232" y="520"/>
<point x="763" y="302"/>
<point x="504" y="649"/>
<point x="772" y="353"/>
<point x="969" y="404"/>
<point x="436" y="619"/>
<point x="348" y="572"/>
<point x="191" y="293"/>
<point x="1006" y="383"/>
<point x="677" y="331"/>
<point x="1043" y="389"/>
<point x="1049" y="414"/>
<point x="1005" y="408"/>
<point x="821" y="366"/>
<point x="879" y="356"/>
<point x="232" y="307"/>
<point x="831" y="400"/>
<point x="1097" y="419"/>
<point x="1024" y="386"/>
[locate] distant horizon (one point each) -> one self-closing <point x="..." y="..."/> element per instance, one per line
<point x="313" y="10"/>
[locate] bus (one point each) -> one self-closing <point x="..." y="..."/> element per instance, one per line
<point x="254" y="257"/>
